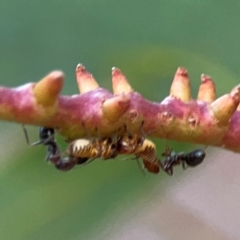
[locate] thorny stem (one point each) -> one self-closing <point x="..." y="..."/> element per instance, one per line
<point x="206" y="120"/>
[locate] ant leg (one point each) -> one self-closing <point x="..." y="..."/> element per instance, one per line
<point x="167" y="164"/>
<point x="169" y="171"/>
<point x="184" y="165"/>
<point x="167" y="167"/>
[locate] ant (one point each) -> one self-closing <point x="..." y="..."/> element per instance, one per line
<point x="83" y="151"/>
<point x="46" y="136"/>
<point x="191" y="159"/>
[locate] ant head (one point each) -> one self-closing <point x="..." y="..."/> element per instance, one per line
<point x="46" y="134"/>
<point x="197" y="157"/>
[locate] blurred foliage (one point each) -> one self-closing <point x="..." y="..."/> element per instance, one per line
<point x="147" y="40"/>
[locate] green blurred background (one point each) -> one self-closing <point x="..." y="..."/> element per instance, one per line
<point x="147" y="40"/>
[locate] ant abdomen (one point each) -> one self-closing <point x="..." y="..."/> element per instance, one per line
<point x="191" y="159"/>
<point x="65" y="166"/>
<point x="195" y="157"/>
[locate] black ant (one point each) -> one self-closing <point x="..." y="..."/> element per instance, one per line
<point x="191" y="159"/>
<point x="83" y="151"/>
<point x="46" y="136"/>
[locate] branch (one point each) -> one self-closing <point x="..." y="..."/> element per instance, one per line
<point x="207" y="120"/>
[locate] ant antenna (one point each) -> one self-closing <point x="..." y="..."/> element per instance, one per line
<point x="38" y="142"/>
<point x="51" y="137"/>
<point x="25" y="134"/>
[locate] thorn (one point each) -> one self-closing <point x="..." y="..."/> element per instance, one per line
<point x="46" y="91"/>
<point x="224" y="107"/>
<point x="207" y="91"/>
<point x="180" y="87"/>
<point x="119" y="82"/>
<point x="115" y="107"/>
<point x="85" y="80"/>
<point x="235" y="94"/>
